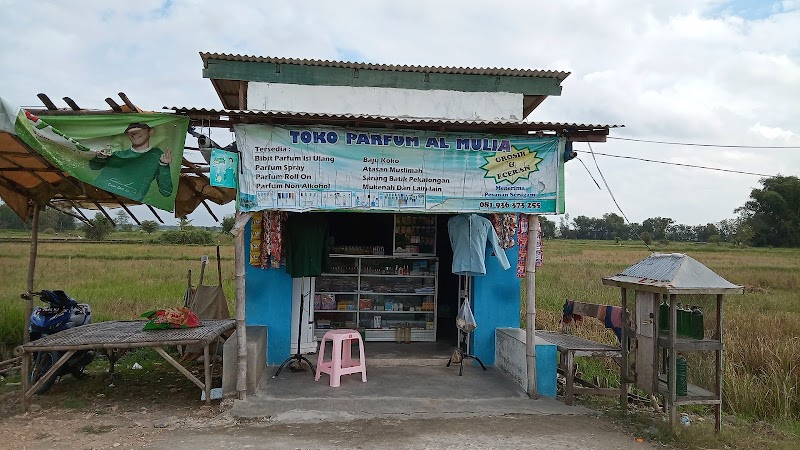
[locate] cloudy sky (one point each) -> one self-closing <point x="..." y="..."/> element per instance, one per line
<point x="690" y="71"/>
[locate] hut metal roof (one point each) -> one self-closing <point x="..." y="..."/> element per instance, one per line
<point x="560" y="75"/>
<point x="672" y="273"/>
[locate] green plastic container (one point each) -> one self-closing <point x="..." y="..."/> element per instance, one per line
<point x="698" y="325"/>
<point x="681" y="325"/>
<point x="680" y="378"/>
<point x="663" y="317"/>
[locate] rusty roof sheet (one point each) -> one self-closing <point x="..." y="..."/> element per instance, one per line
<point x="672" y="273"/>
<point x="390" y="67"/>
<point x="409" y="120"/>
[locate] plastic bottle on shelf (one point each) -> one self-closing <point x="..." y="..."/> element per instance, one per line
<point x="698" y="325"/>
<point x="685" y="327"/>
<point x="681" y="385"/>
<point x="663" y="317"/>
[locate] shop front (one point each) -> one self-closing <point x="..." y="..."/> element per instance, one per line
<point x="386" y="158"/>
<point x="378" y="287"/>
<point x="395" y="211"/>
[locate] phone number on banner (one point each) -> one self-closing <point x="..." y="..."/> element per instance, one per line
<point x="510" y="205"/>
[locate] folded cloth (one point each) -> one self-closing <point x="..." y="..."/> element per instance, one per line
<point x="610" y="316"/>
<point x="613" y="320"/>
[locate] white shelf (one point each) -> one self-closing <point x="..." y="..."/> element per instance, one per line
<point x="364" y="275"/>
<point x="390" y="281"/>
<point x="390" y="293"/>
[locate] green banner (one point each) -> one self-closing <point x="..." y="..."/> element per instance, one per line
<point x="136" y="156"/>
<point x="329" y="168"/>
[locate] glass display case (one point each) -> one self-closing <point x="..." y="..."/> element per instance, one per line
<point x="414" y="235"/>
<point x="378" y="294"/>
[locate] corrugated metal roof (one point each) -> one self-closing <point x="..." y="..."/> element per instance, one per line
<point x="673" y="273"/>
<point x="411" y="120"/>
<point x="390" y="67"/>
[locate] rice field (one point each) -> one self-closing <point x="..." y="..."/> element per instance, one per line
<point x="761" y="327"/>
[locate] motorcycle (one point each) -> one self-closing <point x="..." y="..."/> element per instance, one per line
<point x="63" y="312"/>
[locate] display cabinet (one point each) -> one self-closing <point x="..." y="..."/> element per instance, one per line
<point x="378" y="294"/>
<point x="414" y="234"/>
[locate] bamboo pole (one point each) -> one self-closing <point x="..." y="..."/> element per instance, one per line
<point x="26" y="336"/>
<point x="241" y="328"/>
<point x="530" y="304"/>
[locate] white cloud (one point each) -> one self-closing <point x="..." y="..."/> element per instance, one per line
<point x="708" y="71"/>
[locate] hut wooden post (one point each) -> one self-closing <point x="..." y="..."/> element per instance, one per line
<point x="241" y="328"/>
<point x="625" y="370"/>
<point x="530" y="305"/>
<point x="26" y="336"/>
<point x="718" y="363"/>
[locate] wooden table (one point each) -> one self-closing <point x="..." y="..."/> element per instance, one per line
<point x="569" y="347"/>
<point x="117" y="335"/>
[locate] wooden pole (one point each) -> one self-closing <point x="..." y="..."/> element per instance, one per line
<point x="26" y="336"/>
<point x="241" y="328"/>
<point x="530" y="304"/>
<point x="718" y="367"/>
<point x="624" y="370"/>
<point x="26" y="333"/>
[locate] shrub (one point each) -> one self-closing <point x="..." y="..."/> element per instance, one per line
<point x="184" y="237"/>
<point x="149" y="226"/>
<point x="98" y="228"/>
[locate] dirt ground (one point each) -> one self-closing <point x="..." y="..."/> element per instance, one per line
<point x="105" y="425"/>
<point x="157" y="408"/>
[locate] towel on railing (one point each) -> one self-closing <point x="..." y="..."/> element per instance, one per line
<point x="610" y="316"/>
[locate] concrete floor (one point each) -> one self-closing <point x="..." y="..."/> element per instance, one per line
<point x="404" y="381"/>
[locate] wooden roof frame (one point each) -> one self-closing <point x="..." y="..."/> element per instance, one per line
<point x="57" y="189"/>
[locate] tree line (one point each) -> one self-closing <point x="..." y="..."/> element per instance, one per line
<point x="770" y="218"/>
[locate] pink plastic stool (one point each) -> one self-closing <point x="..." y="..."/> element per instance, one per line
<point x="341" y="362"/>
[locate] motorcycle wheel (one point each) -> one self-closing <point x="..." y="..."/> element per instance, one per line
<point x="78" y="371"/>
<point x="42" y="362"/>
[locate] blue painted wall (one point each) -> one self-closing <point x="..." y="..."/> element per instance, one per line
<point x="496" y="303"/>
<point x="268" y="294"/>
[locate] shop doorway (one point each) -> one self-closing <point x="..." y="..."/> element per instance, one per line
<point x="364" y="231"/>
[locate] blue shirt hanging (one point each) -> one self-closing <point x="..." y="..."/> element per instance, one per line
<point x="468" y="236"/>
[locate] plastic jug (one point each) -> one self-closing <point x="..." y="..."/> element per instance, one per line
<point x="681" y="385"/>
<point x="663" y="317"/>
<point x="698" y="325"/>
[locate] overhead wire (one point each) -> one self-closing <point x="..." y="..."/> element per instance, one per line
<point x="590" y="173"/>
<point x="684" y="165"/>
<point x="705" y="145"/>
<point x="602" y="177"/>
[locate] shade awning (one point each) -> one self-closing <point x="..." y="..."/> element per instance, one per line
<point x="28" y="178"/>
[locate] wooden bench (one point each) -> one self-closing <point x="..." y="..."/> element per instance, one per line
<point x="569" y="347"/>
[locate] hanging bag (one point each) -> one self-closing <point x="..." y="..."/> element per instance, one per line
<point x="465" y="321"/>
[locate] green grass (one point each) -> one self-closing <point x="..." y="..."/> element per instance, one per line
<point x="761" y="370"/>
<point x="761" y="327"/>
<point x="118" y="281"/>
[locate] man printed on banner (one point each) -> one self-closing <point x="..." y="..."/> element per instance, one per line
<point x="132" y="171"/>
